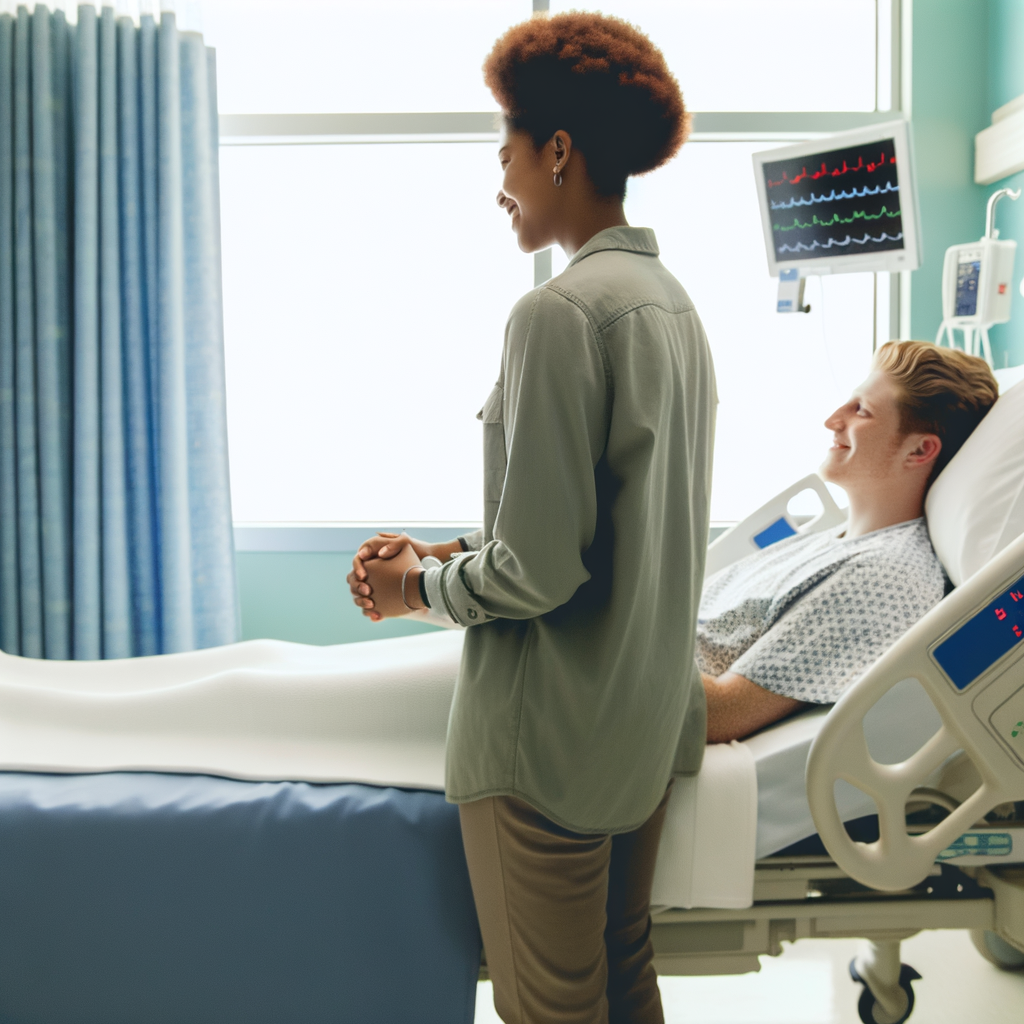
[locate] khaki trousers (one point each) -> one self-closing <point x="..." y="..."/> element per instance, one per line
<point x="565" y="917"/>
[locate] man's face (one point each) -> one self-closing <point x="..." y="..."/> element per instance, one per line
<point x="867" y="444"/>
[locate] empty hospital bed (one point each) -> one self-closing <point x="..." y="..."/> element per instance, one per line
<point x="218" y="893"/>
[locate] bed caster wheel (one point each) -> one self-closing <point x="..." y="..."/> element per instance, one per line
<point x="871" y="1011"/>
<point x="997" y="951"/>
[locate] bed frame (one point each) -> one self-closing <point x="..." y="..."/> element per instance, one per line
<point x="810" y="897"/>
<point x="797" y="897"/>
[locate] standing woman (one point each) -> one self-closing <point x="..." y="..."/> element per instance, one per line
<point x="578" y="698"/>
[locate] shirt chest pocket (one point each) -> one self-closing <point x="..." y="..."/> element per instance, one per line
<point x="495" y="458"/>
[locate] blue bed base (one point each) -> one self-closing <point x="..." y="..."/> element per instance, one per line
<point x="144" y="898"/>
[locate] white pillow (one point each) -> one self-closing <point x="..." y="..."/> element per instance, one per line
<point x="976" y="506"/>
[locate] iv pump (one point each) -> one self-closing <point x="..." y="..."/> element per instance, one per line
<point x="976" y="280"/>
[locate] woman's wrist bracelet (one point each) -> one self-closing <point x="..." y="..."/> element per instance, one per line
<point x="404" y="576"/>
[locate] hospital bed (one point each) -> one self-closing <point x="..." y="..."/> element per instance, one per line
<point x="210" y="890"/>
<point x="915" y="779"/>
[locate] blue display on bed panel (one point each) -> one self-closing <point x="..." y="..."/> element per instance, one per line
<point x="779" y="530"/>
<point x="132" y="897"/>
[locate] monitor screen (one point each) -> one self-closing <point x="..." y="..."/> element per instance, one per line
<point x="842" y="204"/>
<point x="984" y="638"/>
<point x="838" y="202"/>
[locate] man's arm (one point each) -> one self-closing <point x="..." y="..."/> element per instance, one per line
<point x="737" y="707"/>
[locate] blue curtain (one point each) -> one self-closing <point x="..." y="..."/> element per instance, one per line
<point x="115" y="511"/>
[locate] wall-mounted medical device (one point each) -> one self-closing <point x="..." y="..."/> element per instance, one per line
<point x="845" y="204"/>
<point x="976" y="285"/>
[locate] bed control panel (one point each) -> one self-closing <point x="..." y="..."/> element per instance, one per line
<point x="984" y="638"/>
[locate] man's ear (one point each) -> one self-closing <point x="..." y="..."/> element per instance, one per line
<point x="925" y="451"/>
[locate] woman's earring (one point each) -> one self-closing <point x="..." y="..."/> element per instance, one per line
<point x="558" y="178"/>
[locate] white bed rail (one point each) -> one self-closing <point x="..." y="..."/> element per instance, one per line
<point x="772" y="522"/>
<point x="968" y="654"/>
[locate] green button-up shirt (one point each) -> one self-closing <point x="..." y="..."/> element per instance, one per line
<point x="578" y="691"/>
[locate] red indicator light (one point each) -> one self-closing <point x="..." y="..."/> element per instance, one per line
<point x="1000" y="614"/>
<point x="1002" y="289"/>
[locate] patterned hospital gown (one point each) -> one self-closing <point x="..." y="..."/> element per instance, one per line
<point x="808" y="615"/>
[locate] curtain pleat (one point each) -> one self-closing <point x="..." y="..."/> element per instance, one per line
<point x="172" y="418"/>
<point x="209" y="512"/>
<point x="29" y="559"/>
<point x="117" y="629"/>
<point x="115" y="512"/>
<point x="86" y="445"/>
<point x="10" y="621"/>
<point x="136" y="321"/>
<point x="49" y="107"/>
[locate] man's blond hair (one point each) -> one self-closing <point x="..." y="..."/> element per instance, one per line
<point x="942" y="391"/>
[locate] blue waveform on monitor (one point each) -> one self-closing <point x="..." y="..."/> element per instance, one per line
<point x="801" y="247"/>
<point x="833" y="196"/>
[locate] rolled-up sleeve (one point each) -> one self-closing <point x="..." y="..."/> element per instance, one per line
<point x="556" y="406"/>
<point x="473" y="541"/>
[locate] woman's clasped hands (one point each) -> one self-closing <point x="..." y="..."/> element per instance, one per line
<point x="381" y="565"/>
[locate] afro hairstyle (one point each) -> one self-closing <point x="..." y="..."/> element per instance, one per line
<point x="597" y="78"/>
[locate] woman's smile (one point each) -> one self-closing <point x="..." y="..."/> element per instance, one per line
<point x="510" y="206"/>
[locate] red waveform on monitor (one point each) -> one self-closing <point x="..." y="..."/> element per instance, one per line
<point x="836" y="172"/>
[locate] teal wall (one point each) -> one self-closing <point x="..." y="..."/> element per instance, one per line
<point x="1006" y="82"/>
<point x="302" y="596"/>
<point x="967" y="61"/>
<point x="949" y="106"/>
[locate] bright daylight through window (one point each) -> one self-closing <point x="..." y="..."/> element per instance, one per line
<point x="368" y="272"/>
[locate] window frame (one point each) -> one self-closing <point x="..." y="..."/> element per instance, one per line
<point x="892" y="291"/>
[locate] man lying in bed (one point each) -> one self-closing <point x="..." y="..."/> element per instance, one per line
<point x="797" y="623"/>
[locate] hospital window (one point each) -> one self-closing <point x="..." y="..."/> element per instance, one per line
<point x="367" y="269"/>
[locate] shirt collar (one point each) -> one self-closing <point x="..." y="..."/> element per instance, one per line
<point x="626" y="238"/>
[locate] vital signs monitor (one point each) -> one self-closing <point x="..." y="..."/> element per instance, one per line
<point x="843" y="204"/>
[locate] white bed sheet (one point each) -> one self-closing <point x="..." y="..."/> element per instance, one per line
<point x="372" y="712"/>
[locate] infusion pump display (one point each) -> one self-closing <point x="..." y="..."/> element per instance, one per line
<point x="968" y="273"/>
<point x="843" y="202"/>
<point x="983" y="639"/>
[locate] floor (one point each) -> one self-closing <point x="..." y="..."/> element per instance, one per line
<point x="809" y="984"/>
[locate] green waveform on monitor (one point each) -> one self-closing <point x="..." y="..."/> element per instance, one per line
<point x="815" y="222"/>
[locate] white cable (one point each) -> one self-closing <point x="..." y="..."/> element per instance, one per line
<point x="824" y="336"/>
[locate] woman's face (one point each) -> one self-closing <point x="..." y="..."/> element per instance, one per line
<point x="528" y="192"/>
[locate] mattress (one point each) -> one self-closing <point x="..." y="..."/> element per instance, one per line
<point x="373" y="712"/>
<point x="129" y="897"/>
